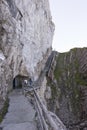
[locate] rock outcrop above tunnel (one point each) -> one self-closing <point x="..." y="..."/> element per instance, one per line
<point x="26" y="32"/>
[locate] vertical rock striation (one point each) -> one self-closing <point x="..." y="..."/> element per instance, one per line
<point x="26" y="32"/>
<point x="68" y="91"/>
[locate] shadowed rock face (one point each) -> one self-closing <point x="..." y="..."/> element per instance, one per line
<point x="12" y="7"/>
<point x="26" y="32"/>
<point x="69" y="89"/>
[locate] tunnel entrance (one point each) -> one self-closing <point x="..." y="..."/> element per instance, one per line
<point x="18" y="81"/>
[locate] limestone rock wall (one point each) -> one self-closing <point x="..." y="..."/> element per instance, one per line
<point x="68" y="90"/>
<point x="26" y="32"/>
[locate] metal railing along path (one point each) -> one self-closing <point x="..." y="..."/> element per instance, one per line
<point x="47" y="119"/>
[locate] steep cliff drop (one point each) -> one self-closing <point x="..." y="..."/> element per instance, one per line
<point x="66" y="94"/>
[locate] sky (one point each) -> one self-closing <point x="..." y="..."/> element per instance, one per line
<point x="70" y="19"/>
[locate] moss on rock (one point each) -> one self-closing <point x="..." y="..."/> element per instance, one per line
<point x="67" y="90"/>
<point x="4" y="110"/>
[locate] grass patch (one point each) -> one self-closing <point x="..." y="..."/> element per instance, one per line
<point x="80" y="79"/>
<point x="4" y="110"/>
<point x="68" y="78"/>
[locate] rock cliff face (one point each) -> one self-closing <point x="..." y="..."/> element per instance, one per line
<point x="68" y="91"/>
<point x="26" y="32"/>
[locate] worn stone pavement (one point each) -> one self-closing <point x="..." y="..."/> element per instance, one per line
<point x="21" y="114"/>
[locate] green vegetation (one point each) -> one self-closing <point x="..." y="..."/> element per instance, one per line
<point x="68" y="79"/>
<point x="68" y="90"/>
<point x="4" y="110"/>
<point x="59" y="67"/>
<point x="80" y="79"/>
<point x="53" y="88"/>
<point x="69" y="82"/>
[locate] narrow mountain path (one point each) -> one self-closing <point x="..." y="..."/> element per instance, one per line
<point x="21" y="114"/>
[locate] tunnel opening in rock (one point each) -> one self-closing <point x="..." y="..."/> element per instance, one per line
<point x="18" y="81"/>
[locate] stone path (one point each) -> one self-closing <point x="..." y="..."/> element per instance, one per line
<point x="21" y="115"/>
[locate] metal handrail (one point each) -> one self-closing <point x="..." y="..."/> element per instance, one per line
<point x="47" y="119"/>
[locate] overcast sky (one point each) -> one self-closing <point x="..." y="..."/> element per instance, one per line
<point x="70" y="18"/>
